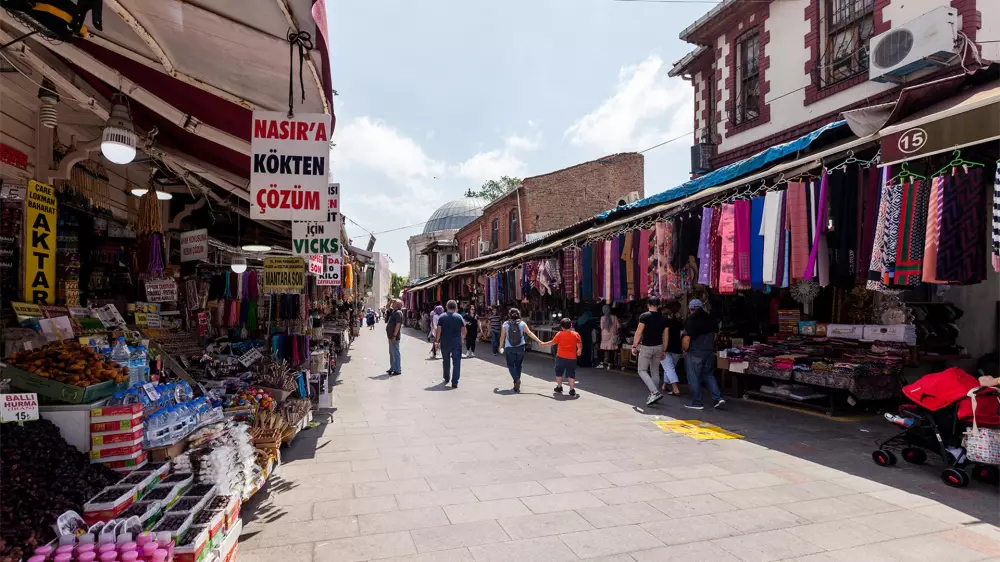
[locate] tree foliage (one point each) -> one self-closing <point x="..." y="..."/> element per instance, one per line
<point x="396" y="284"/>
<point x="493" y="189"/>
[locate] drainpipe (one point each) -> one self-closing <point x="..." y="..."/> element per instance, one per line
<point x="520" y="219"/>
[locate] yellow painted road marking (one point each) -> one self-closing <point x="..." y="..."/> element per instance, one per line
<point x="697" y="429"/>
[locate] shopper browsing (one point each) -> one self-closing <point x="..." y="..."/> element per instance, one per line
<point x="512" y="334"/>
<point x="448" y="336"/>
<point x="393" y="324"/>
<point x="435" y="315"/>
<point x="650" y="345"/>
<point x="699" y="361"/>
<point x="471" y="331"/>
<point x="673" y="344"/>
<point x="569" y="346"/>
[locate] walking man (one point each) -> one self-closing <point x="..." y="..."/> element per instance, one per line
<point x="650" y="345"/>
<point x="392" y="326"/>
<point x="495" y="324"/>
<point x="699" y="361"/>
<point x="448" y="337"/>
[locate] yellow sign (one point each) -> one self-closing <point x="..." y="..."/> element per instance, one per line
<point x="40" y="244"/>
<point x="26" y="310"/>
<point x="284" y="275"/>
<point x="697" y="429"/>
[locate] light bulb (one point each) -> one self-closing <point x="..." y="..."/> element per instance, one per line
<point x="164" y="196"/>
<point x="139" y="191"/>
<point x="256" y="248"/>
<point x="238" y="264"/>
<point x="118" y="141"/>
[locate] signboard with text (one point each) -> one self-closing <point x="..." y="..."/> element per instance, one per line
<point x="331" y="277"/>
<point x="194" y="245"/>
<point x="40" y="244"/>
<point x="21" y="407"/>
<point x="284" y="275"/>
<point x="322" y="237"/>
<point x="975" y="126"/>
<point x="316" y="262"/>
<point x="161" y="290"/>
<point x="289" y="166"/>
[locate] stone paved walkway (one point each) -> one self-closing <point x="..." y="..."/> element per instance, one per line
<point x="408" y="470"/>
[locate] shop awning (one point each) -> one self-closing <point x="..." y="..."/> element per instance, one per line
<point x="726" y="173"/>
<point x="971" y="117"/>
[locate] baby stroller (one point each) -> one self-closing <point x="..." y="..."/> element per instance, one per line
<point x="936" y="423"/>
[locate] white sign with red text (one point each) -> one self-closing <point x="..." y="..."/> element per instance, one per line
<point x="316" y="264"/>
<point x="331" y="277"/>
<point x="289" y="166"/>
<point x="18" y="407"/>
<point x="194" y="245"/>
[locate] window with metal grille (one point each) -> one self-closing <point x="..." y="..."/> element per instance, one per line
<point x="747" y="78"/>
<point x="848" y="24"/>
<point x="495" y="234"/>
<point x="512" y="227"/>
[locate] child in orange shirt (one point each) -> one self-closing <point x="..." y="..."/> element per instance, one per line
<point x="569" y="346"/>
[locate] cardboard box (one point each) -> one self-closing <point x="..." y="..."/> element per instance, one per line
<point x="195" y="544"/>
<point x="845" y="331"/>
<point x="110" y="413"/>
<point x="124" y="497"/>
<point x="122" y="438"/>
<point x="30" y="382"/>
<point x="113" y="452"/>
<point x="115" y="426"/>
<point x="164" y="454"/>
<point x="124" y="463"/>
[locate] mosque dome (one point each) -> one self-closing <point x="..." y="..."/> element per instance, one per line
<point x="455" y="214"/>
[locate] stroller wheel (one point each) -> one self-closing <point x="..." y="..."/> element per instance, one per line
<point x="955" y="477"/>
<point x="987" y="474"/>
<point x="914" y="455"/>
<point x="883" y="457"/>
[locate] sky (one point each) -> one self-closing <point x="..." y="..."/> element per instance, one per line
<point x="438" y="96"/>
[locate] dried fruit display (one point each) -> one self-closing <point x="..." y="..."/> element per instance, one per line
<point x="69" y="363"/>
<point x="41" y="476"/>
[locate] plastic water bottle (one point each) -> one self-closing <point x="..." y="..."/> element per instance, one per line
<point x="121" y="355"/>
<point x="137" y="366"/>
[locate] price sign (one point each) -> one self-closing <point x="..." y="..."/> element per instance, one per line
<point x="331" y="277"/>
<point x="316" y="264"/>
<point x="27" y="310"/>
<point x="250" y="357"/>
<point x="18" y="407"/>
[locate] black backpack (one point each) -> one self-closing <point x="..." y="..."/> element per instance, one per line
<point x="514" y="335"/>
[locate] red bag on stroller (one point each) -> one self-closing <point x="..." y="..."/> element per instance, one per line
<point x="939" y="390"/>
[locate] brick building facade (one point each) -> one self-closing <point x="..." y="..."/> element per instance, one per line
<point x="553" y="201"/>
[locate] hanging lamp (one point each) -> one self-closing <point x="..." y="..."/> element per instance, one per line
<point x="238" y="263"/>
<point x="118" y="142"/>
<point x="256" y="247"/>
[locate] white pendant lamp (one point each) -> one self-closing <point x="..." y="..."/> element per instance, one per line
<point x="238" y="264"/>
<point x="139" y="191"/>
<point x="256" y="248"/>
<point x="163" y="195"/>
<point x="119" y="141"/>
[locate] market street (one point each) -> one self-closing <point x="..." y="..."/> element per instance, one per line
<point x="408" y="469"/>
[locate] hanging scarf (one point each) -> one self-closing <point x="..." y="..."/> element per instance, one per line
<point x="912" y="231"/>
<point x="705" y="248"/>
<point x="607" y="273"/>
<point x="727" y="267"/>
<point x="652" y="282"/>
<point x="741" y="225"/>
<point x="643" y="269"/>
<point x="818" y="228"/>
<point x="715" y="243"/>
<point x="876" y="269"/>
<point x="664" y="249"/>
<point x="933" y="232"/>
<point x="756" y="243"/>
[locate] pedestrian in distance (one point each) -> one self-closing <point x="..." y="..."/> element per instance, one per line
<point x="495" y="324"/>
<point x="671" y="311"/>
<point x="393" y="325"/>
<point x="448" y="337"/>
<point x="650" y="345"/>
<point x="435" y="315"/>
<point x="699" y="359"/>
<point x="569" y="346"/>
<point x="471" y="331"/>
<point x="371" y="319"/>
<point x="512" y="334"/>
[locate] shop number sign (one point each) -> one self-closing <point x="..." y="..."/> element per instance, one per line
<point x="40" y="244"/>
<point x="18" y="407"/>
<point x="320" y="237"/>
<point x="331" y="277"/>
<point x="289" y="166"/>
<point x="977" y="125"/>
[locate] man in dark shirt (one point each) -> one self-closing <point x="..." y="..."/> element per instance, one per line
<point x="495" y="323"/>
<point x="699" y="363"/>
<point x="650" y="345"/>
<point x="392" y="326"/>
<point x="448" y="338"/>
<point x="671" y="312"/>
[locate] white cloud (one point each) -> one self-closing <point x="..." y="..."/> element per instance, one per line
<point x="492" y="164"/>
<point x="519" y="142"/>
<point x="646" y="108"/>
<point x="373" y="144"/>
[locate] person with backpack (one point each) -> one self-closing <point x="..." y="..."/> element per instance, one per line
<point x="512" y="335"/>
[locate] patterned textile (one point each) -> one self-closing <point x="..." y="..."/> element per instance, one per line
<point x="616" y="268"/>
<point x="664" y="243"/>
<point x="961" y="247"/>
<point x="598" y="270"/>
<point x="891" y="235"/>
<point x="995" y="255"/>
<point x="756" y="243"/>
<point x="915" y="198"/>
<point x="876" y="267"/>
<point x="704" y="247"/>
<point x="587" y="273"/>
<point x="871" y="200"/>
<point x="797" y="211"/>
<point x="727" y="267"/>
<point x="673" y="276"/>
<point x="651" y="262"/>
<point x="716" y="245"/>
<point x="629" y="267"/>
<point x="607" y="272"/>
<point x="643" y="260"/>
<point x="567" y="271"/>
<point x="741" y="226"/>
<point x="634" y="261"/>
<point x="622" y="282"/>
<point x="932" y="232"/>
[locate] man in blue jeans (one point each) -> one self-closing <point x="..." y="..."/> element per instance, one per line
<point x="393" y="323"/>
<point x="495" y="322"/>
<point x="448" y="338"/>
<point x="699" y="361"/>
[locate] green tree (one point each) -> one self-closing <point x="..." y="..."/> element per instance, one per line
<point x="493" y="189"/>
<point x="396" y="284"/>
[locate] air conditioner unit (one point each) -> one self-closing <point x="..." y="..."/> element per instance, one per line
<point x="484" y="246"/>
<point x="929" y="41"/>
<point x="632" y="197"/>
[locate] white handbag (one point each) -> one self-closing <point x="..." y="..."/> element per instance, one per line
<point x="981" y="444"/>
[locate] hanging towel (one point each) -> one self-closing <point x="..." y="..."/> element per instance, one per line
<point x="915" y="198"/>
<point x="727" y="234"/>
<point x="932" y="232"/>
<point x="783" y="255"/>
<point x="705" y="248"/>
<point x="756" y="243"/>
<point x="961" y="247"/>
<point x="741" y="231"/>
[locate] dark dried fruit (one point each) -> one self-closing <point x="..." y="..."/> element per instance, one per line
<point x="200" y="490"/>
<point x="191" y="534"/>
<point x="135" y="478"/>
<point x="111" y="494"/>
<point x="218" y="502"/>
<point x="206" y="516"/>
<point x="158" y="493"/>
<point x="171" y="522"/>
<point x="185" y="504"/>
<point x="136" y="510"/>
<point x="176" y="478"/>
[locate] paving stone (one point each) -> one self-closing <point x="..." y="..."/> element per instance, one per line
<point x="405" y="520"/>
<point x="622" y="514"/>
<point x="693" y="487"/>
<point x="543" y="549"/>
<point x="355" y="506"/>
<point x="585" y="468"/>
<point x="511" y="490"/>
<point x="836" y="535"/>
<point x="357" y="549"/>
<point x="760" y="519"/>
<point x="391" y="487"/>
<point x="606" y="542"/>
<point x="692" y="529"/>
<point x="456" y="555"/>
<point x="691" y="506"/>
<point x="456" y="536"/>
<point x="575" y="484"/>
<point x="433" y="498"/>
<point x="561" y="502"/>
<point x="766" y="546"/>
<point x="899" y="524"/>
<point x="691" y="552"/>
<point x="546" y="524"/>
<point x="479" y="511"/>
